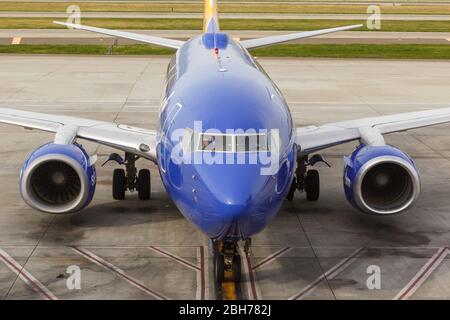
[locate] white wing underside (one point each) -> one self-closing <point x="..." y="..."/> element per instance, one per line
<point x="267" y="41"/>
<point x="122" y="137"/>
<point x="314" y="138"/>
<point x="163" y="42"/>
<point x="176" y="44"/>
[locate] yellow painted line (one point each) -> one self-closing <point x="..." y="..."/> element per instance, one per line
<point x="16" y="40"/>
<point x="229" y="287"/>
<point x="237" y="39"/>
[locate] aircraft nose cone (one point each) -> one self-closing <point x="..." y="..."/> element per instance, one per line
<point x="233" y="191"/>
<point x="235" y="203"/>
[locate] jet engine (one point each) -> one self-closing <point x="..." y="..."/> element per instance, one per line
<point x="58" y="178"/>
<point x="380" y="179"/>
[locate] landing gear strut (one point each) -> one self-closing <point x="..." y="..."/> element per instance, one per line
<point x="129" y="179"/>
<point x="305" y="180"/>
<point x="227" y="261"/>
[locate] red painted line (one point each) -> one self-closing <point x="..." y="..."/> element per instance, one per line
<point x="251" y="278"/>
<point x="106" y="265"/>
<point x="330" y="274"/>
<point x="26" y="276"/>
<point x="272" y="257"/>
<point x="174" y="257"/>
<point x="202" y="273"/>
<point x="422" y="275"/>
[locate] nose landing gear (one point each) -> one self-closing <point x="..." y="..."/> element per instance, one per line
<point x="227" y="261"/>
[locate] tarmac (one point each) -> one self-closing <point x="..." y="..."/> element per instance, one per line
<point x="146" y="250"/>
<point x="61" y="36"/>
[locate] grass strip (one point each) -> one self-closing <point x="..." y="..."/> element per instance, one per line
<point x="373" y="51"/>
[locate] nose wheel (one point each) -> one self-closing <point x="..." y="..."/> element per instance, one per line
<point x="129" y="179"/>
<point x="227" y="262"/>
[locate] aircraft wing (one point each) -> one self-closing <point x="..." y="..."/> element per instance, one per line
<point x="266" y="41"/>
<point x="314" y="138"/>
<point x="138" y="141"/>
<point x="163" y="42"/>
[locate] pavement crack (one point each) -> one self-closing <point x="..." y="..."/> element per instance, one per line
<point x="31" y="253"/>
<point x="315" y="256"/>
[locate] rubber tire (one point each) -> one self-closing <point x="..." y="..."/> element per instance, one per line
<point x="118" y="187"/>
<point x="312" y="185"/>
<point x="220" y="268"/>
<point x="237" y="269"/>
<point x="144" y="184"/>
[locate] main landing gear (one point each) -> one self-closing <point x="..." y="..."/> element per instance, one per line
<point x="227" y="260"/>
<point x="129" y="179"/>
<point x="305" y="180"/>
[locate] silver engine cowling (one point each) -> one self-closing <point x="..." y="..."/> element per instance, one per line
<point x="58" y="178"/>
<point x="381" y="180"/>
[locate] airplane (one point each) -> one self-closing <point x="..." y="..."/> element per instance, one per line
<point x="227" y="150"/>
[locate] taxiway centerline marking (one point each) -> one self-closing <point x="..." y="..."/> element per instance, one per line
<point x="330" y="274"/>
<point x="108" y="266"/>
<point x="422" y="275"/>
<point x="174" y="257"/>
<point x="31" y="281"/>
<point x="272" y="257"/>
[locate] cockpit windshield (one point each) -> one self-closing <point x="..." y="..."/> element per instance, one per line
<point x="256" y="142"/>
<point x="216" y="142"/>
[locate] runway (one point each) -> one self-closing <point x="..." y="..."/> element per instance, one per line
<point x="147" y="250"/>
<point x="58" y="36"/>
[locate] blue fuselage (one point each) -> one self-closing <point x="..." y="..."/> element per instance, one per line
<point x="221" y="87"/>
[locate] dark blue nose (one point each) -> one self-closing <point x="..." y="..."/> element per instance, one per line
<point x="234" y="191"/>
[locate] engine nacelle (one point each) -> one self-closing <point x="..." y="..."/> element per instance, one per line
<point x="381" y="180"/>
<point x="58" y="178"/>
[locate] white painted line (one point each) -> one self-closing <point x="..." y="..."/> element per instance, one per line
<point x="272" y="257"/>
<point x="23" y="274"/>
<point x="108" y="266"/>
<point x="16" y="40"/>
<point x="330" y="274"/>
<point x="422" y="275"/>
